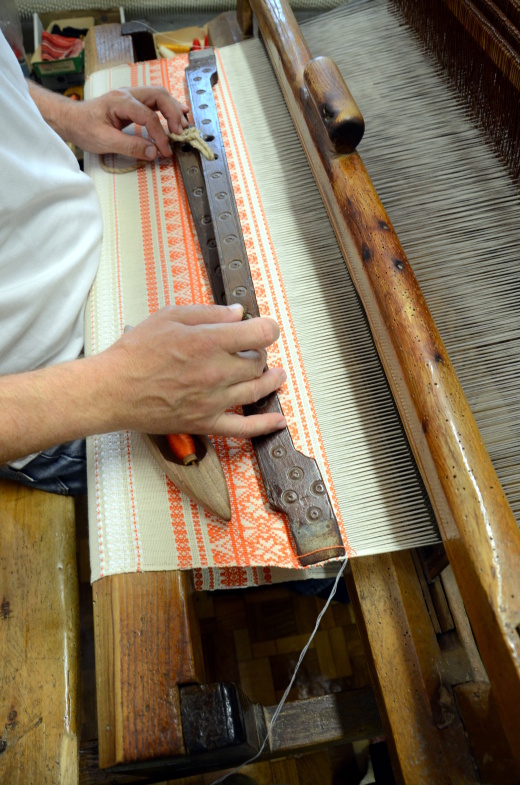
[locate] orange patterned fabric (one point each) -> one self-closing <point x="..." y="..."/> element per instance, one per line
<point x="151" y="258"/>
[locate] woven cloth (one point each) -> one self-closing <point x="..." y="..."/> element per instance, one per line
<point x="150" y="258"/>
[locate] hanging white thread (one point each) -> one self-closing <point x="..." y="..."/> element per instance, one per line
<point x="289" y="686"/>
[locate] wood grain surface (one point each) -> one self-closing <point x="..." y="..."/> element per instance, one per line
<point x="39" y="637"/>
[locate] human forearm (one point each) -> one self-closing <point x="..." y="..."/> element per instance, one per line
<point x="56" y="109"/>
<point x="53" y="405"/>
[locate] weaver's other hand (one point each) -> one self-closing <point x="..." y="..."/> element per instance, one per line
<point x="182" y="369"/>
<point x="99" y="122"/>
<point x="97" y="125"/>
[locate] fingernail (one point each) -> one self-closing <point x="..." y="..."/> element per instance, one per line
<point x="283" y="377"/>
<point x="281" y="424"/>
<point x="150" y="152"/>
<point x="237" y="307"/>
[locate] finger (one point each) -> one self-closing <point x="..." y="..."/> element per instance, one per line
<point x="158" y="98"/>
<point x="239" y="426"/>
<point x="175" y="115"/>
<point x="258" y="333"/>
<point x="192" y="315"/>
<point x="256" y="388"/>
<point x="258" y="356"/>
<point x="243" y="367"/>
<point x="129" y="145"/>
<point x="157" y="135"/>
<point x="131" y="110"/>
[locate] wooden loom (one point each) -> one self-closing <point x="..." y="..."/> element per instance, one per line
<point x="478" y="528"/>
<point x="481" y="538"/>
<point x="429" y="398"/>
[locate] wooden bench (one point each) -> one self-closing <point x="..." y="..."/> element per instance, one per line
<point x="39" y="638"/>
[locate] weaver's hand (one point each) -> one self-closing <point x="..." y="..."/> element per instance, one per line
<point x="181" y="370"/>
<point x="177" y="372"/>
<point x="106" y="116"/>
<point x="97" y="125"/>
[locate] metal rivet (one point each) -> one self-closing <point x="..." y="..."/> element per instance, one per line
<point x="313" y="514"/>
<point x="231" y="238"/>
<point x="295" y="473"/>
<point x="206" y="219"/>
<point x="203" y="106"/>
<point x="240" y="291"/>
<point x="236" y="264"/>
<point x="198" y="191"/>
<point x="278" y="452"/>
<point x="221" y="195"/>
<point x="289" y="497"/>
<point x="197" y="78"/>
<point x="216" y="175"/>
<point x="318" y="488"/>
<point x="193" y="170"/>
<point x="212" y="243"/>
<point x="224" y="216"/>
<point x="200" y="92"/>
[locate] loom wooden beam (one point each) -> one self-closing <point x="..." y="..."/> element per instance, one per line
<point x="223" y="728"/>
<point x="479" y="531"/>
<point x="39" y="638"/>
<point x="411" y="677"/>
<point x="147" y="644"/>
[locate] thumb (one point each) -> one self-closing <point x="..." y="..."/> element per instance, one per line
<point x="129" y="145"/>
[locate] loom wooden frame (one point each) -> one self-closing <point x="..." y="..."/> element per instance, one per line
<point x="477" y="525"/>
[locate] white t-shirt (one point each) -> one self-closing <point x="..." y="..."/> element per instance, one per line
<point x="50" y="233"/>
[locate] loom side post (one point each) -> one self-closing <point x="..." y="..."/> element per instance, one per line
<point x="479" y="531"/>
